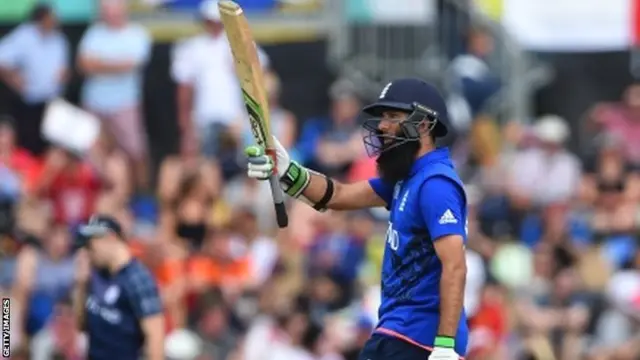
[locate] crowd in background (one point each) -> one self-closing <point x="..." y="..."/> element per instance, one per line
<point x="553" y="259"/>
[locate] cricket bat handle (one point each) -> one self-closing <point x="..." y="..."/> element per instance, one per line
<point x="278" y="201"/>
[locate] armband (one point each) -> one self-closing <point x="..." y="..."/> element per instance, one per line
<point x="328" y="194"/>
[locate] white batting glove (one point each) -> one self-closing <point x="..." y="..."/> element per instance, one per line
<point x="293" y="177"/>
<point x="261" y="165"/>
<point x="440" y="353"/>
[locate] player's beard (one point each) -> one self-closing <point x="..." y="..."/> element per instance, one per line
<point x="394" y="164"/>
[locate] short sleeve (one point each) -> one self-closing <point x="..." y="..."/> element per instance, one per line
<point x="143" y="293"/>
<point x="183" y="69"/>
<point x="141" y="56"/>
<point x="88" y="42"/>
<point x="10" y="48"/>
<point x="442" y="204"/>
<point x="383" y="189"/>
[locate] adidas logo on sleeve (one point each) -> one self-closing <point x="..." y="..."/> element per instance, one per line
<point x="447" y="218"/>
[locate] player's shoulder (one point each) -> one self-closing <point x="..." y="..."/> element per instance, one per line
<point x="441" y="184"/>
<point x="137" y="272"/>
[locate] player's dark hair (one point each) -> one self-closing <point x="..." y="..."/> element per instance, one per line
<point x="40" y="12"/>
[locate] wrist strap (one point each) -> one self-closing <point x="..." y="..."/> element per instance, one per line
<point x="295" y="179"/>
<point x="445" y="342"/>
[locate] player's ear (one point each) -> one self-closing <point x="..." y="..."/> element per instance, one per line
<point x="424" y="126"/>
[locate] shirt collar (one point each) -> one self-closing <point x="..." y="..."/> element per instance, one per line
<point x="437" y="155"/>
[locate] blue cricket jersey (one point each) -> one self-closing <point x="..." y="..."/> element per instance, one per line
<point x="114" y="307"/>
<point x="426" y="206"/>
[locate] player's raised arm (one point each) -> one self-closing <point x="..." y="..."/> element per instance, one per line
<point x="314" y="188"/>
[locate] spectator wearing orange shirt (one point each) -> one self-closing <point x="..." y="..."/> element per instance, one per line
<point x="223" y="263"/>
<point x="15" y="158"/>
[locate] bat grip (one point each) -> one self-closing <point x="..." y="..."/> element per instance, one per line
<point x="278" y="201"/>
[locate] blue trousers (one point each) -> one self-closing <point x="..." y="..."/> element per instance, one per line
<point x="384" y="347"/>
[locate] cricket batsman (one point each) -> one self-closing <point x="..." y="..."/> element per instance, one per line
<point x="421" y="315"/>
<point x="116" y="300"/>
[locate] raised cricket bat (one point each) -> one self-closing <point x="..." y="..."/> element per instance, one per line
<point x="249" y="73"/>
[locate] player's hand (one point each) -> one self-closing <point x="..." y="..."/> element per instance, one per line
<point x="261" y="165"/>
<point x="440" y="353"/>
<point x="293" y="177"/>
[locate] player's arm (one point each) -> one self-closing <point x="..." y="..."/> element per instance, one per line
<point x="314" y="188"/>
<point x="153" y="328"/>
<point x="147" y="307"/>
<point x="442" y="203"/>
<point x="345" y="196"/>
<point x="80" y="287"/>
<point x="78" y="299"/>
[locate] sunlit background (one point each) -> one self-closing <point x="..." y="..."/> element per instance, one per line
<point x="542" y="96"/>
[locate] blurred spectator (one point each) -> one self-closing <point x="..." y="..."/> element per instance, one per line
<point x="187" y="190"/>
<point x="541" y="174"/>
<point x="112" y="165"/>
<point x="364" y="328"/>
<point x="488" y="326"/>
<point x="339" y="249"/>
<point x="43" y="276"/>
<point x="560" y="316"/>
<point x="60" y="337"/>
<point x="111" y="55"/>
<point x="219" y="339"/>
<point x="209" y="99"/>
<point x="18" y="171"/>
<point x="547" y="172"/>
<point x="473" y="83"/>
<point x="70" y="184"/>
<point x="36" y="81"/>
<point x="617" y="331"/>
<point x="242" y="191"/>
<point x="330" y="145"/>
<point x="621" y="120"/>
<point x="263" y="250"/>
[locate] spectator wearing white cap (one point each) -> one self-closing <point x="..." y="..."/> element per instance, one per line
<point x="208" y="97"/>
<point x="547" y="172"/>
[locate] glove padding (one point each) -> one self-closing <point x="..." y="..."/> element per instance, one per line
<point x="440" y="353"/>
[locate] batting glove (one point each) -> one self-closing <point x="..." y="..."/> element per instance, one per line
<point x="444" y="349"/>
<point x="443" y="354"/>
<point x="293" y="177"/>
